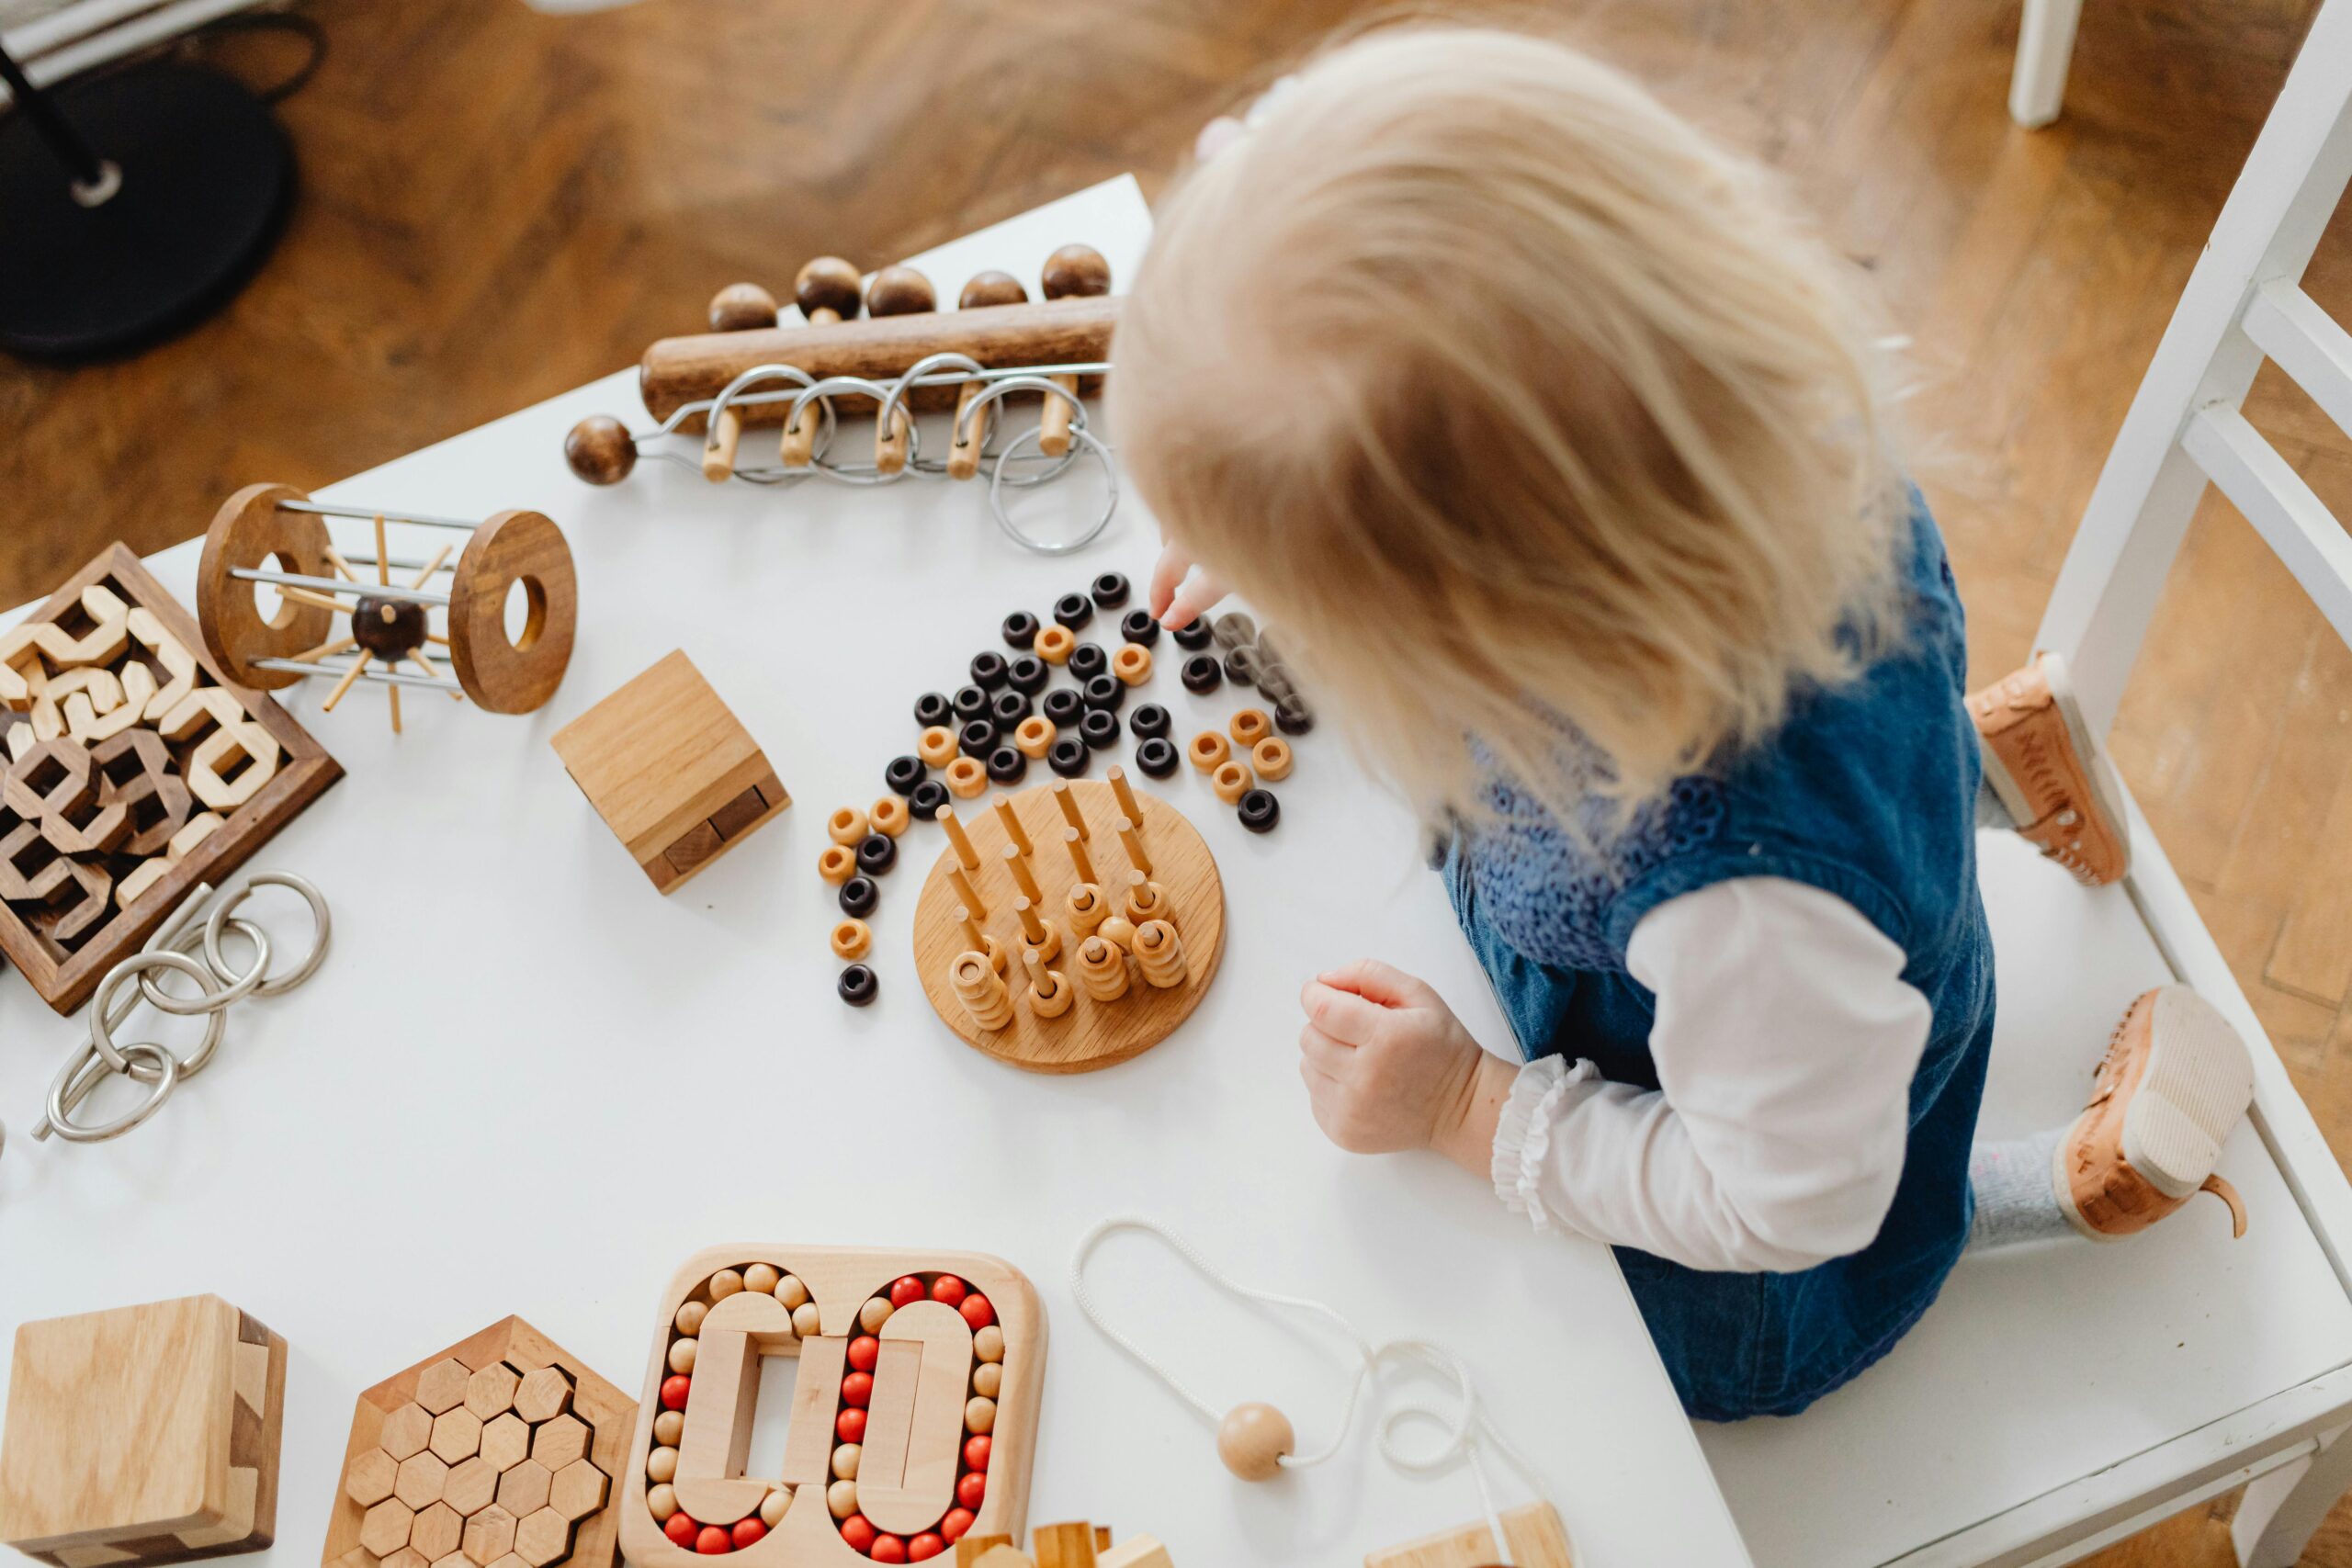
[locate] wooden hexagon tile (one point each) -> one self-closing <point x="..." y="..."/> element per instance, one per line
<point x="499" y="1451"/>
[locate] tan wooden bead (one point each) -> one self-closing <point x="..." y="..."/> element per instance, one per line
<point x="761" y="1278"/>
<point x="1101" y="974"/>
<point x="840" y="1498"/>
<point x="1253" y="1439"/>
<point x="889" y="814"/>
<point x="725" y="1283"/>
<point x="847" y="825"/>
<point x="1035" y="736"/>
<point x="874" y="1314"/>
<point x="1272" y="758"/>
<point x="1232" y="780"/>
<point x="988" y="1343"/>
<point x="853" y="940"/>
<point x="980" y="1414"/>
<point x="790" y="1291"/>
<point x="987" y="1378"/>
<point x="1054" y="643"/>
<point x="1248" y="727"/>
<point x="662" y="1465"/>
<point x="936" y="745"/>
<point x="1159" y="954"/>
<point x="669" y="1427"/>
<point x="1085" y="908"/>
<point x="1049" y="994"/>
<point x="1119" y="931"/>
<point x="690" y="1316"/>
<point x="773" y="1506"/>
<point x="681" y="1355"/>
<point x="981" y="990"/>
<point x="1209" y="751"/>
<point x="1146" y="899"/>
<point x="967" y="778"/>
<point x="806" y="1321"/>
<point x="845" y="1460"/>
<point x="661" y="1502"/>
<point x="1132" y="664"/>
<point x="838" y="864"/>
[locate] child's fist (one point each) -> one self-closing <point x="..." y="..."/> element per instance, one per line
<point x="1388" y="1066"/>
<point x="1180" y="590"/>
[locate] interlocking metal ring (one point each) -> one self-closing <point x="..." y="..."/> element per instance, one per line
<point x="239" y="987"/>
<point x="1080" y="436"/>
<point x="321" y="921"/>
<point x="149" y="1063"/>
<point x="123" y="973"/>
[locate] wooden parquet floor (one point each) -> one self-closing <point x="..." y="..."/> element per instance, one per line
<point x="499" y="205"/>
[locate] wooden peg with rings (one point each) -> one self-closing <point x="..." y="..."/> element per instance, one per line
<point x="276" y="535"/>
<point x="885" y="346"/>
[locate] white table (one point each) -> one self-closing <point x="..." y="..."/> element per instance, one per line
<point x="525" y="1083"/>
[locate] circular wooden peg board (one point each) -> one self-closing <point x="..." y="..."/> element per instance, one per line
<point x="1091" y="1035"/>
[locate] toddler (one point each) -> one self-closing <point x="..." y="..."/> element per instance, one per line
<point x="1557" y="453"/>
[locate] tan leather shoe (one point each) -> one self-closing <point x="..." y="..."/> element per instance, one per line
<point x="2049" y="773"/>
<point x="2176" y="1079"/>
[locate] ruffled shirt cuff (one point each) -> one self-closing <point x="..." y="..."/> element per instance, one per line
<point x="1544" y="1091"/>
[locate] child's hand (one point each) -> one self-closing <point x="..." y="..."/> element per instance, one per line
<point x="1388" y="1067"/>
<point x="1180" y="590"/>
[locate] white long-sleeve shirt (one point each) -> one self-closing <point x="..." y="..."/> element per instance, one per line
<point x="1784" y="1041"/>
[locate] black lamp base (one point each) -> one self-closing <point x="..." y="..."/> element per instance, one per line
<point x="206" y="177"/>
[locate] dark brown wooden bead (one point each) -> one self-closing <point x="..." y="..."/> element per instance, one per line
<point x="828" y="284"/>
<point x="389" y="628"/>
<point x="740" y="307"/>
<point x="991" y="288"/>
<point x="1076" y="270"/>
<point x="899" y="292"/>
<point x="600" y="450"/>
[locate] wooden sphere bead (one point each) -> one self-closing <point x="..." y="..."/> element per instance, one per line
<point x="1075" y="270"/>
<point x="853" y="940"/>
<point x="829" y="284"/>
<point x="661" y="1502"/>
<point x="991" y="288"/>
<point x="987" y="1378"/>
<point x="1118" y="931"/>
<point x="741" y="307"/>
<point x="936" y="745"/>
<point x="1132" y="664"/>
<point x="681" y="1355"/>
<point x="791" y="1291"/>
<point x="968" y="778"/>
<point x="838" y="864"/>
<point x="773" y="1506"/>
<point x="661" y="1464"/>
<point x="873" y="1314"/>
<point x="1252" y="1440"/>
<point x="899" y="292"/>
<point x="1054" y="643"/>
<point x="1232" y="780"/>
<point x="845" y="1460"/>
<point x="806" y="1321"/>
<point x="1209" y="751"/>
<point x="980" y="1414"/>
<point x="760" y="1279"/>
<point x="1272" y="758"/>
<point x="725" y="1283"/>
<point x="840" y="1499"/>
<point x="669" y="1427"/>
<point x="847" y="825"/>
<point x="690" y="1316"/>
<point x="889" y="814"/>
<point x="1249" y="725"/>
<point x="600" y="450"/>
<point x="989" y="1344"/>
<point x="390" y="630"/>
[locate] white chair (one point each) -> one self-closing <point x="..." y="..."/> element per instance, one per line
<point x="2059" y="1398"/>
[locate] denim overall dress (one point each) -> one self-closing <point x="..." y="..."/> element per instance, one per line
<point x="1867" y="792"/>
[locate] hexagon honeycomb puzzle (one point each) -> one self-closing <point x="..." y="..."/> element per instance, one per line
<point x="497" y="1452"/>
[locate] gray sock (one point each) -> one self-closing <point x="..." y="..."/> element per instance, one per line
<point x="2016" y="1193"/>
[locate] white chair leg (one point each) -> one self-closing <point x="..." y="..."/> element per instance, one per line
<point x="2045" y="48"/>
<point x="2280" y="1510"/>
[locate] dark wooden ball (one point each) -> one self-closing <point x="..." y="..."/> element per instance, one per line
<point x="899" y="292"/>
<point x="1075" y="270"/>
<point x="740" y="307"/>
<point x="391" y="629"/>
<point x="600" y="450"/>
<point x="991" y="288"/>
<point x="829" y="284"/>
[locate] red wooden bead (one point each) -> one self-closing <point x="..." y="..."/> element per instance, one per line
<point x="976" y="1311"/>
<point x="858" y="1388"/>
<point x="863" y="1351"/>
<point x="858" y="1531"/>
<point x="906" y="1291"/>
<point x="975" y="1451"/>
<point x="673" y="1391"/>
<point x="972" y="1488"/>
<point x="850" y="1425"/>
<point x="714" y="1540"/>
<point x="948" y="1289"/>
<point x="888" y="1549"/>
<point x="958" y="1521"/>
<point x="748" y="1532"/>
<point x="927" y="1545"/>
<point x="681" y="1529"/>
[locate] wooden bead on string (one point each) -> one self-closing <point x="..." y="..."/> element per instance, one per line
<point x="838" y="864"/>
<point x="1033" y="736"/>
<point x="1253" y="1439"/>
<point x="1102" y="970"/>
<point x="1049" y="994"/>
<point x="1249" y="725"/>
<point x="1130" y="807"/>
<point x="1014" y="833"/>
<point x="1209" y="751"/>
<point x="1068" y="801"/>
<point x="936" y="745"/>
<point x="1160" y="953"/>
<point x="1145" y="901"/>
<point x="1085" y="907"/>
<point x="1037" y="934"/>
<point x="968" y="778"/>
<point x="1232" y="780"/>
<point x="965" y="856"/>
<point x="979" y="942"/>
<point x="847" y="825"/>
<point x="1272" y="758"/>
<point x="981" y="990"/>
<point x="888" y="816"/>
<point x="601" y="450"/>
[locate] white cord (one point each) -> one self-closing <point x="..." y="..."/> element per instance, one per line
<point x="1466" y="1433"/>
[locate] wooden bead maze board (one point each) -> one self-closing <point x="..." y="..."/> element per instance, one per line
<point x="913" y="1414"/>
<point x="1090" y="1034"/>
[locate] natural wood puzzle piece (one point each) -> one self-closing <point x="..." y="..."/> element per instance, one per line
<point x="1537" y="1541"/>
<point x="145" y="1434"/>
<point x="503" y="1441"/>
<point x="1088" y="1031"/>
<point x="671" y="771"/>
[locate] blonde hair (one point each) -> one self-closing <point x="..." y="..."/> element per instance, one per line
<point x="1522" y="411"/>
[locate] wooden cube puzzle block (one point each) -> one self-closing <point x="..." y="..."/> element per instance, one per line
<point x="143" y="1434"/>
<point x="1537" y="1541"/>
<point x="440" y="1460"/>
<point x="675" y="775"/>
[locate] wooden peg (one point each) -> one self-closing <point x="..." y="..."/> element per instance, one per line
<point x="1021" y="876"/>
<point x="897" y="291"/>
<point x="1145" y="901"/>
<point x="967" y="893"/>
<point x="1160" y="953"/>
<point x="1102" y="970"/>
<point x="350" y="679"/>
<point x="1085" y="908"/>
<point x="985" y="289"/>
<point x="1132" y="842"/>
<point x="1013" y="832"/>
<point x="981" y="942"/>
<point x="1070" y="813"/>
<point x="1075" y="841"/>
<point x="718" y="443"/>
<point x="1037" y="934"/>
<point x="1071" y="271"/>
<point x="1125" y="792"/>
<point x="964" y="853"/>
<point x="1049" y="994"/>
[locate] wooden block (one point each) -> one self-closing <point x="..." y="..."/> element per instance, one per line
<point x="739" y="815"/>
<point x="913" y="1500"/>
<point x="145" y="1434"/>
<point x="889" y="1419"/>
<point x="660" y="760"/>
<point x="816" y="1400"/>
<point x="1069" y="1545"/>
<point x="1537" y="1541"/>
<point x="972" y="1548"/>
<point x="1135" y="1551"/>
<point x="736" y="1334"/>
<point x="542" y="1404"/>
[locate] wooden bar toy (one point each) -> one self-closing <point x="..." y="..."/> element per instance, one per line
<point x="1080" y="861"/>
<point x="277" y="536"/>
<point x="965" y="856"/>
<point x="1010" y="819"/>
<point x="675" y="775"/>
<point x="1130" y="806"/>
<point x="143" y="1435"/>
<point x="1132" y="842"/>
